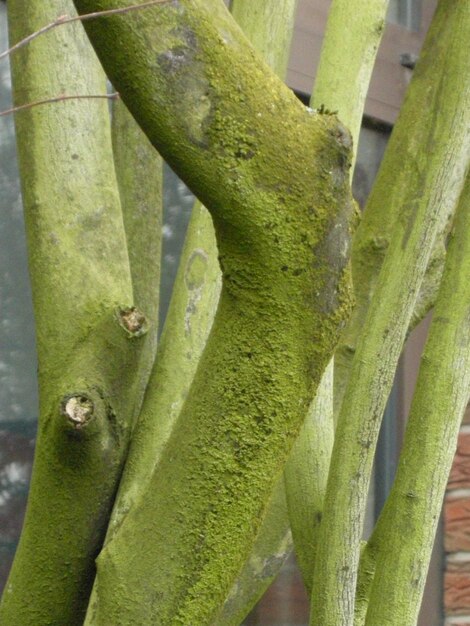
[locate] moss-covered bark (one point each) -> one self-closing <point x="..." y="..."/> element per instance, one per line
<point x="190" y="316"/>
<point x="189" y="320"/>
<point x="270" y="32"/>
<point x="282" y="229"/>
<point x="439" y="165"/>
<point x="272" y="546"/>
<point x="87" y="338"/>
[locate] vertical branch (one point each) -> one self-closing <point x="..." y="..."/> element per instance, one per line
<point x="88" y="343"/>
<point x="440" y="176"/>
<point x="139" y="174"/>
<point x="269" y="25"/>
<point x="306" y="473"/>
<point x="352" y="37"/>
<point x="403" y="539"/>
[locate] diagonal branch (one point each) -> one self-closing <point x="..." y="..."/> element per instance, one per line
<point x="441" y="83"/>
<point x="442" y="393"/>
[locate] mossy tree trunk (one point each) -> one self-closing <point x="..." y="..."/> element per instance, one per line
<point x="163" y="469"/>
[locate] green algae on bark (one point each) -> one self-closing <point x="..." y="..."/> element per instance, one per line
<point x="282" y="219"/>
<point x="440" y="165"/>
<point x="81" y="280"/>
<point x="402" y="542"/>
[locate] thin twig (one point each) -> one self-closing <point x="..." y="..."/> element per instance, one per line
<point x="66" y="19"/>
<point x="30" y="105"/>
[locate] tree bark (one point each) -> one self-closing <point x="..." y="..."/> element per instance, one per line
<point x="282" y="225"/>
<point x="88" y="342"/>
<point x="349" y="48"/>
<point x="439" y="179"/>
<point x="402" y="542"/>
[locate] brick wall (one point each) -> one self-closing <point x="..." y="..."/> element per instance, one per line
<point x="457" y="534"/>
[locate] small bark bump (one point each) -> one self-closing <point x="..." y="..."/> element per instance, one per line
<point x="343" y="136"/>
<point x="78" y="409"/>
<point x="133" y="321"/>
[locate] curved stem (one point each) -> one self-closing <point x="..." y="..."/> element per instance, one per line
<point x="282" y="233"/>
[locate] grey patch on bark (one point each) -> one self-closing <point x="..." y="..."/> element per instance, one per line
<point x="186" y="78"/>
<point x="332" y="255"/>
<point x="194" y="278"/>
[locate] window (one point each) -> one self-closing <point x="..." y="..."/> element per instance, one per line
<point x="406" y="13"/>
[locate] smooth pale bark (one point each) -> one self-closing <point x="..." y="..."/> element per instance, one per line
<point x="350" y="45"/>
<point x="306" y="474"/>
<point x="269" y="25"/>
<point x="282" y="232"/>
<point x="383" y="209"/>
<point x="352" y="37"/>
<point x="139" y="174"/>
<point x="404" y="536"/>
<point x="87" y="347"/>
<point x="440" y="171"/>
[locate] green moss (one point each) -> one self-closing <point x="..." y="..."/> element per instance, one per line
<point x="273" y="206"/>
<point x="80" y="274"/>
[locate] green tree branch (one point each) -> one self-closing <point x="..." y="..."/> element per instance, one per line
<point x="82" y="290"/>
<point x="279" y="335"/>
<point x="439" y="177"/>
<point x="404" y="536"/>
<point x="139" y="174"/>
